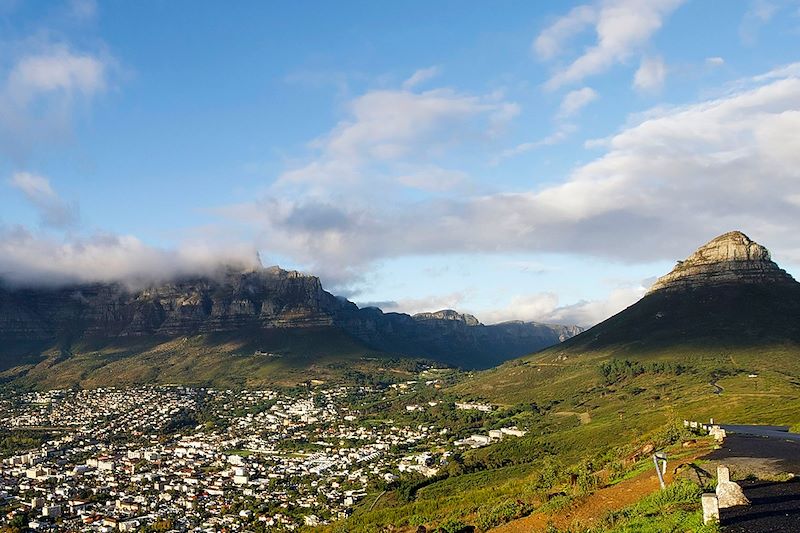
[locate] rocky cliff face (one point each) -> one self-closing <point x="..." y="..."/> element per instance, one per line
<point x="730" y="258"/>
<point x="272" y="298"/>
<point x="448" y="314"/>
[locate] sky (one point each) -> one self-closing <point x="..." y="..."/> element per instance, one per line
<point x="513" y="159"/>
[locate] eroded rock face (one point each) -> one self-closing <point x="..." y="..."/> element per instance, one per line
<point x="242" y="301"/>
<point x="448" y="314"/>
<point x="270" y="298"/>
<point x="730" y="258"/>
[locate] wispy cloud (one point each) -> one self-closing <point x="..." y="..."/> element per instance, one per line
<point x="53" y="211"/>
<point x="760" y="13"/>
<point x="622" y="27"/>
<point x="421" y="76"/>
<point x="39" y="92"/>
<point x="576" y="100"/>
<point x="572" y="103"/>
<point x="552" y="40"/>
<point x="391" y="137"/>
<point x="651" y="75"/>
<point x="562" y="132"/>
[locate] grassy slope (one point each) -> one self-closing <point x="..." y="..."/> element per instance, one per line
<point x="220" y="359"/>
<point x="719" y="336"/>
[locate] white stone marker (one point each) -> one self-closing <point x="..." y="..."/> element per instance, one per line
<point x="729" y="493"/>
<point x="710" y="508"/>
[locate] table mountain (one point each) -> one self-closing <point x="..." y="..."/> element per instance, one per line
<point x="239" y="305"/>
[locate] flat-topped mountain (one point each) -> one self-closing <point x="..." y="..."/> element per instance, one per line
<point x="242" y="307"/>
<point x="448" y="314"/>
<point x="269" y="297"/>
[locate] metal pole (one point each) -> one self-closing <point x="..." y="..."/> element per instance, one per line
<point x="658" y="470"/>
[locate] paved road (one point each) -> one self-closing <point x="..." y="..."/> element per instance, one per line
<point x="766" y="452"/>
<point x="775" y="509"/>
<point x="778" y="432"/>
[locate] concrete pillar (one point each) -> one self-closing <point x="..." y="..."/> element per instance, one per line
<point x="710" y="508"/>
<point x="723" y="474"/>
<point x="729" y="494"/>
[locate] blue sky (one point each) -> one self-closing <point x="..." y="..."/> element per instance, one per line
<point x="517" y="160"/>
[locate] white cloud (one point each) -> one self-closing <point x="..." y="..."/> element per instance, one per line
<point x="387" y="131"/>
<point x="544" y="307"/>
<point x="425" y="304"/>
<point x="56" y="69"/>
<point x="53" y="211"/>
<point x="670" y="180"/>
<point x="576" y="100"/>
<point x="551" y="41"/>
<point x="651" y="74"/>
<point x="623" y="28"/>
<point x="420" y="76"/>
<point x="28" y="258"/>
<point x="715" y="61"/>
<point x="40" y="91"/>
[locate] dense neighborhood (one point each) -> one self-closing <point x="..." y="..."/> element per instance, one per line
<point x="163" y="458"/>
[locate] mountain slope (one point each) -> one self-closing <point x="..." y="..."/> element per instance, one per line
<point x="725" y="310"/>
<point x="287" y="315"/>
<point x="715" y="338"/>
<point x="728" y="292"/>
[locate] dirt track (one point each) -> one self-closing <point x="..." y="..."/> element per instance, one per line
<point x="591" y="509"/>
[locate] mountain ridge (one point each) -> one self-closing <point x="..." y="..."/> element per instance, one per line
<point x="246" y="302"/>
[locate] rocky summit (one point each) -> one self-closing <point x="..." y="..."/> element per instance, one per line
<point x="727" y="293"/>
<point x="730" y="258"/>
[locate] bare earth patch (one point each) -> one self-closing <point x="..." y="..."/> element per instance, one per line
<point x="588" y="511"/>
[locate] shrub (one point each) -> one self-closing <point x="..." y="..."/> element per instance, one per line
<point x="491" y="516"/>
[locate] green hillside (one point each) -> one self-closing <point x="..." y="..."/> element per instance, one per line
<point x="697" y="349"/>
<point x="254" y="358"/>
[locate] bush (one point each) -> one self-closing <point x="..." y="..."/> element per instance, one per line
<point x="491" y="516"/>
<point x="618" y="370"/>
<point x="453" y="525"/>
